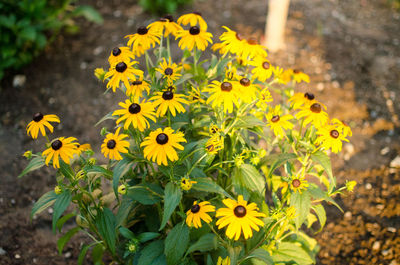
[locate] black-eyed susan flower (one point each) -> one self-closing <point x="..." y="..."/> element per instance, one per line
<point x="246" y="89"/>
<point x="82" y="148"/>
<point x="240" y="217"/>
<point x="198" y="212"/>
<point x="61" y="148"/>
<point x="120" y="54"/>
<point x="195" y="37"/>
<point x="218" y="47"/>
<point x="214" y="144"/>
<point x="224" y="93"/>
<point x="265" y="98"/>
<point x="57" y="190"/>
<point x="298" y="184"/>
<point x="313" y="114"/>
<point x="186" y="183"/>
<point x="193" y="19"/>
<point x="195" y="96"/>
<point x="214" y="129"/>
<point x="278" y="122"/>
<point x="135" y="90"/>
<point x="122" y="71"/>
<point x="39" y="122"/>
<point x="122" y="189"/>
<point x="160" y="145"/>
<point x="346" y="128"/>
<point x="27" y="154"/>
<point x="262" y="68"/>
<point x="114" y="144"/>
<point x="168" y="100"/>
<point x="144" y="38"/>
<point x="169" y="71"/>
<point x="225" y="261"/>
<point x="252" y="49"/>
<point x="330" y="137"/>
<point x="301" y="99"/>
<point x="165" y="25"/>
<point x="136" y="114"/>
<point x="232" y="41"/>
<point x="299" y="76"/>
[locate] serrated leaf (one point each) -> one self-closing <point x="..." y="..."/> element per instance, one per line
<point x="291" y="252"/>
<point x="36" y="163"/>
<point x="249" y="177"/>
<point x="324" y="160"/>
<point x="172" y="197"/>
<point x="66" y="170"/>
<point x="44" y="202"/>
<point x="60" y="205"/>
<point x="261" y="254"/>
<point x="302" y="204"/>
<point x="106" y="224"/>
<point x="208" y="185"/>
<point x="321" y="214"/>
<point x="65" y="238"/>
<point x="153" y="254"/>
<point x="176" y="243"/>
<point x="205" y="243"/>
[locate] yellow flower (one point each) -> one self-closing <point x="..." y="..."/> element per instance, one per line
<point x="169" y="100"/>
<point x="169" y="71"/>
<point x="63" y="148"/>
<point x="165" y="24"/>
<point x="136" y="89"/>
<point x="135" y="114"/>
<point x="82" y="147"/>
<point x="99" y="73"/>
<point x="199" y="212"/>
<point x="214" y="129"/>
<point x="313" y="114"/>
<point x="195" y="96"/>
<point x="39" y="122"/>
<point x="114" y="144"/>
<point x="262" y="70"/>
<point x="144" y="38"/>
<point x="194" y="37"/>
<point x="122" y="189"/>
<point x="232" y="41"/>
<point x="186" y="183"/>
<point x="225" y="261"/>
<point x="218" y="47"/>
<point x="193" y="19"/>
<point x="161" y="144"/>
<point x="57" y="190"/>
<point x="222" y="94"/>
<point x="240" y="217"/>
<point x="298" y="184"/>
<point x="350" y="185"/>
<point x="246" y="89"/>
<point x="299" y="76"/>
<point x="81" y="174"/>
<point x="277" y="122"/>
<point x="331" y="136"/>
<point x="346" y="128"/>
<point x="214" y="144"/>
<point x="264" y="98"/>
<point x="122" y="71"/>
<point x="28" y="154"/>
<point x="252" y="49"/>
<point x="121" y="54"/>
<point x="299" y="99"/>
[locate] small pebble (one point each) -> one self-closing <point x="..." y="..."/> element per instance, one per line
<point x="98" y="50"/>
<point x="385" y="151"/>
<point x="2" y="251"/>
<point x="34" y="260"/>
<point x="19" y="80"/>
<point x="50" y="210"/>
<point x="376" y="246"/>
<point x="83" y="65"/>
<point x="392" y="229"/>
<point x="67" y="255"/>
<point x="348" y="215"/>
<point x="368" y="186"/>
<point x="12" y="201"/>
<point x="17" y="256"/>
<point x="385" y="252"/>
<point x="395" y="162"/>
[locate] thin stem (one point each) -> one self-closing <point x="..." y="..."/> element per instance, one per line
<point x="160" y="48"/>
<point x="195" y="164"/>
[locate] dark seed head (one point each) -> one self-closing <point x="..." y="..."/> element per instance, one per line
<point x="195" y="208"/>
<point x="334" y="134"/>
<point x="57" y="144"/>
<point x="38" y="117"/>
<point x="116" y="51"/>
<point x="168" y="71"/>
<point x="275" y="118"/>
<point x="309" y="96"/>
<point x="121" y="67"/>
<point x="163" y="19"/>
<point x="168" y="95"/>
<point x="134" y="108"/>
<point x="111" y="144"/>
<point x="194" y="30"/>
<point x="169" y="17"/>
<point x="136" y="83"/>
<point x="266" y="65"/>
<point x="296" y="183"/>
<point x="184" y="181"/>
<point x="316" y="108"/>
<point x="245" y="82"/>
<point x="162" y="138"/>
<point x="226" y="86"/>
<point x="142" y="30"/>
<point x="252" y="41"/>
<point x="239" y="211"/>
<point x="239" y="36"/>
<point x="296" y="71"/>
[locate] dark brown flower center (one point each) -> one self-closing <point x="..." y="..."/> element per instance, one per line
<point x="184" y="181"/>
<point x="116" y="51"/>
<point x="136" y="83"/>
<point x="168" y="71"/>
<point x="245" y="82"/>
<point x="296" y="183"/>
<point x="134" y="108"/>
<point x="111" y="144"/>
<point x="169" y="17"/>
<point x="37" y="117"/>
<point x="240" y="211"/>
<point x="226" y="86"/>
<point x="168" y="95"/>
<point x="194" y="30"/>
<point x="121" y="67"/>
<point x="195" y="208"/>
<point x="334" y="134"/>
<point x="57" y="144"/>
<point x="163" y="19"/>
<point x="239" y="36"/>
<point x="309" y="96"/>
<point x="275" y="118"/>
<point x="296" y="71"/>
<point x="142" y="30"/>
<point x="316" y="108"/>
<point x="162" y="138"/>
<point x="252" y="41"/>
<point x="266" y="65"/>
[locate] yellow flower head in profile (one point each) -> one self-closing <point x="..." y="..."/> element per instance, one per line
<point x="82" y="148"/>
<point x="165" y="25"/>
<point x="161" y="144"/>
<point x="186" y="183"/>
<point x="169" y="70"/>
<point x="278" y="122"/>
<point x="135" y="114"/>
<point x="214" y="129"/>
<point x="299" y="76"/>
<point x="298" y="184"/>
<point x="120" y="54"/>
<point x="218" y="47"/>
<point x="350" y="185"/>
<point x="224" y="93"/>
<point x="145" y="38"/>
<point x="168" y="100"/>
<point x="313" y="114"/>
<point x="302" y="99"/>
<point x="63" y="148"/>
<point x="252" y="49"/>
<point x="246" y="89"/>
<point x="265" y="98"/>
<point x="193" y="19"/>
<point x="199" y="212"/>
<point x="331" y="136"/>
<point x="114" y="144"/>
<point x="262" y="68"/>
<point x="57" y="190"/>
<point x="136" y="89"/>
<point x="195" y="37"/>
<point x="100" y="74"/>
<point x="122" y="189"/>
<point x="122" y="71"/>
<point x="343" y="126"/>
<point x="225" y="261"/>
<point x="240" y="217"/>
<point x="39" y="122"/>
<point x="232" y="41"/>
<point x="195" y="96"/>
<point x="214" y="144"/>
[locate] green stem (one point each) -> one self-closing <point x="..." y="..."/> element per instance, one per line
<point x="195" y="164"/>
<point x="160" y="48"/>
<point x="168" y="48"/>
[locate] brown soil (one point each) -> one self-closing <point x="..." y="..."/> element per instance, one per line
<point x="349" y="48"/>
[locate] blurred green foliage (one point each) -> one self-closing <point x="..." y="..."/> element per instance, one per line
<point x="162" y="7"/>
<point x="27" y="26"/>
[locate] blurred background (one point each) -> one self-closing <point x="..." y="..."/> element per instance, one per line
<point x="350" y="49"/>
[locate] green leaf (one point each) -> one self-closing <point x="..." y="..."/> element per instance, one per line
<point x="291" y="252"/>
<point x="36" y="163"/>
<point x="60" y="205"/>
<point x="66" y="170"/>
<point x="44" y="202"/>
<point x="249" y="177"/>
<point x="124" y="210"/>
<point x="108" y="116"/>
<point x="205" y="243"/>
<point x="106" y="224"/>
<point x="323" y="159"/>
<point x="302" y="203"/>
<point x="172" y="197"/>
<point x="320" y="211"/>
<point x="208" y="185"/>
<point x="125" y="232"/>
<point x="277" y="161"/>
<point x="249" y="122"/>
<point x="65" y="238"/>
<point x="62" y="220"/>
<point x="176" y="243"/>
<point x="82" y="254"/>
<point x="89" y="13"/>
<point x="261" y="254"/>
<point x="27" y="33"/>
<point x="184" y="78"/>
<point x="99" y="170"/>
<point x="153" y="254"/>
<point x="143" y="194"/>
<point x="147" y="236"/>
<point x="120" y="170"/>
<point x="97" y="254"/>
<point x="318" y="194"/>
